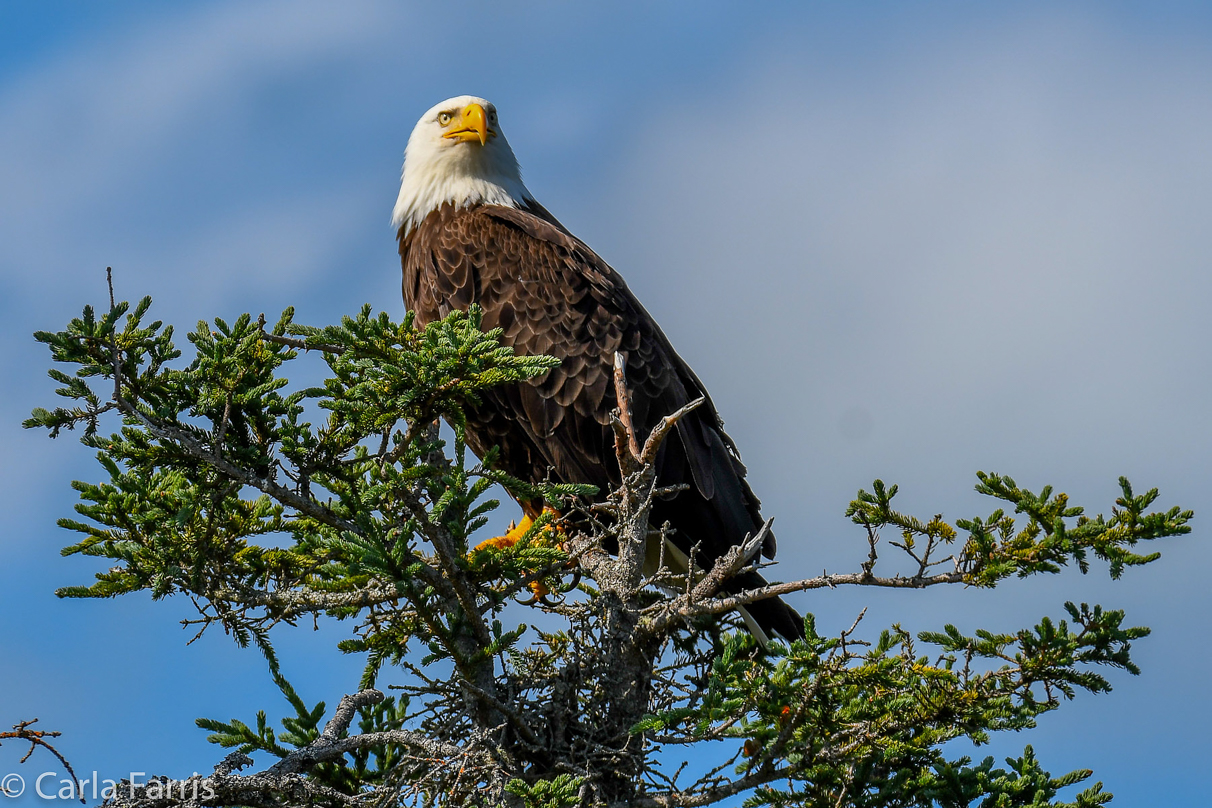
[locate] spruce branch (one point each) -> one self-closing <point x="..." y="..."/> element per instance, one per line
<point x="218" y="486"/>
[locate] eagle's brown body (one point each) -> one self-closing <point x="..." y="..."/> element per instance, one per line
<point x="551" y="294"/>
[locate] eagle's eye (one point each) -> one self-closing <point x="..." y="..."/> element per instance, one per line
<point x="492" y="116"/>
<point x="443" y="118"/>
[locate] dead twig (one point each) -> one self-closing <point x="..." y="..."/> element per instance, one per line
<point x="37" y="738"/>
<point x="297" y="344"/>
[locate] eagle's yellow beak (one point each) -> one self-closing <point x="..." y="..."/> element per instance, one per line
<point x="470" y="124"/>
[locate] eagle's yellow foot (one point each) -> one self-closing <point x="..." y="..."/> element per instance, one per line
<point x="511" y="537"/>
<point x="553" y="532"/>
<point x="516" y="532"/>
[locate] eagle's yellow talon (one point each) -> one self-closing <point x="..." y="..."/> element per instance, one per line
<point x="514" y="534"/>
<point x="511" y="537"/>
<point x="516" y="531"/>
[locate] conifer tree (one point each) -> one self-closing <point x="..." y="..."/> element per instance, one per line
<point x="205" y="458"/>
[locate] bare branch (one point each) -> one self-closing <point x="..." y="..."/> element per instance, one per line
<point x="624" y="399"/>
<point x="298" y="344"/>
<point x="661" y="430"/>
<point x="37" y="738"/>
<point x="687" y="607"/>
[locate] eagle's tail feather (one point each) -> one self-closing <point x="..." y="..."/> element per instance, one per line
<point x="768" y="617"/>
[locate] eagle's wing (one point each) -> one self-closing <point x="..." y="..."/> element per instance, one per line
<point x="551" y="294"/>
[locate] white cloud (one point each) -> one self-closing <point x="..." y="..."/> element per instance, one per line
<point x="82" y="137"/>
<point x="998" y="248"/>
<point x="90" y="145"/>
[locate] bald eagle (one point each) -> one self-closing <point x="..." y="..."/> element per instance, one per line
<point x="470" y="232"/>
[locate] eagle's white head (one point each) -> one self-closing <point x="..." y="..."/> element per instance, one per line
<point x="457" y="153"/>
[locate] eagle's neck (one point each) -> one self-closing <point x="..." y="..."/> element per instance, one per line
<point x="460" y="178"/>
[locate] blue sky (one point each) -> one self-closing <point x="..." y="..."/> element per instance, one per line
<point x="897" y="242"/>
